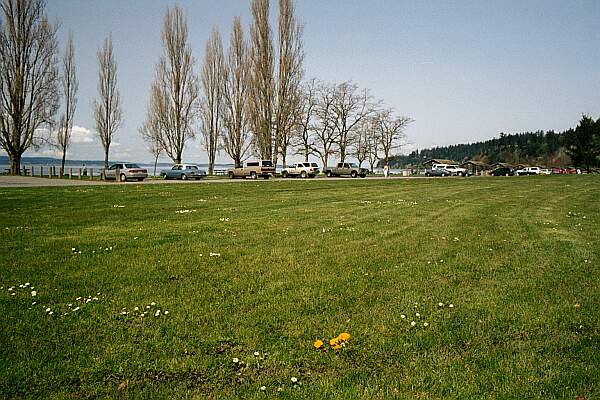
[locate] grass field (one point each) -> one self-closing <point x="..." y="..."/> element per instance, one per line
<point x="267" y="268"/>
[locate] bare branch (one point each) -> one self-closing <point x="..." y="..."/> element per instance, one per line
<point x="235" y="137"/>
<point x="29" y="93"/>
<point x="174" y="94"/>
<point x="107" y="107"/>
<point x="211" y="106"/>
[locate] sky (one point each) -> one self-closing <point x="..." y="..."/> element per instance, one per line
<point x="464" y="71"/>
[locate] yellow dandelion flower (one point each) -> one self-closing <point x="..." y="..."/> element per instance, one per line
<point x="337" y="347"/>
<point x="318" y="344"/>
<point x="334" y="342"/>
<point x="344" y="336"/>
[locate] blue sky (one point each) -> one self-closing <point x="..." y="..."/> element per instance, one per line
<point x="463" y="70"/>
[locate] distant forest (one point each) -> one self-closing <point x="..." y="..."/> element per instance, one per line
<point x="535" y="148"/>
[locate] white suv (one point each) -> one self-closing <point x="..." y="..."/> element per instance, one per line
<point x="301" y="169"/>
<point x="453" y="169"/>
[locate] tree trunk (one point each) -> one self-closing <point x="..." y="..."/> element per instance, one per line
<point x="106" y="158"/>
<point x="155" y="162"/>
<point x="15" y="164"/>
<point x="305" y="153"/>
<point x="283" y="160"/>
<point x="62" y="163"/>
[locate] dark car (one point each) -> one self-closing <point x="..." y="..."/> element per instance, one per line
<point x="437" y="172"/>
<point x="503" y="171"/>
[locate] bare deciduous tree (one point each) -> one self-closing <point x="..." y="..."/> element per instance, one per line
<point x="261" y="81"/>
<point x="324" y="132"/>
<point x="235" y="136"/>
<point x="390" y="131"/>
<point x="173" y="106"/>
<point x="360" y="141"/>
<point x="107" y="108"/>
<point x="350" y="106"/>
<point x="70" y="85"/>
<point x="29" y="92"/>
<point x="373" y="142"/>
<point x="153" y="144"/>
<point x="289" y="78"/>
<point x="302" y="139"/>
<point x="211" y="106"/>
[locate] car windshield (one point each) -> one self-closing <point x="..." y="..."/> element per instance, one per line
<point x="191" y="167"/>
<point x="352" y="165"/>
<point x="313" y="165"/>
<point x="131" y="166"/>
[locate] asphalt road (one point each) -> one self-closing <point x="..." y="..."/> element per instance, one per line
<point x="28" y="181"/>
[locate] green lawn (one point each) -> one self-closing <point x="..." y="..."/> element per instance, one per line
<point x="292" y="262"/>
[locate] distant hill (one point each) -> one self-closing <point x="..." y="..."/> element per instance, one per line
<point x="51" y="161"/>
<point x="543" y="148"/>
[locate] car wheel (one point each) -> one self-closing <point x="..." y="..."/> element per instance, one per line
<point x="353" y="174"/>
<point x="252" y="175"/>
<point x="140" y="179"/>
<point x="284" y="174"/>
<point x="122" y="178"/>
<point x="363" y="175"/>
<point x="329" y="174"/>
<point x="303" y="174"/>
<point x="184" y="177"/>
<point x="230" y="174"/>
<point x="164" y="176"/>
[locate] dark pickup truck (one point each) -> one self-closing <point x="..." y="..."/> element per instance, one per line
<point x="349" y="169"/>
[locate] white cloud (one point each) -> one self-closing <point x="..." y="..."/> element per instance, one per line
<point x="49" y="152"/>
<point x="80" y="134"/>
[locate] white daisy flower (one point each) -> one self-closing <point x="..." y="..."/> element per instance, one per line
<point x="417" y="315"/>
<point x="136" y="308"/>
<point x="166" y="313"/>
<point x="33" y="293"/>
<point x="157" y="313"/>
<point x="451" y="305"/>
<point x="294" y="379"/>
<point x="402" y="316"/>
<point x="425" y="324"/>
<point x="256" y="354"/>
<point x="48" y="309"/>
<point x="236" y="360"/>
<point x="440" y="304"/>
<point x="263" y="388"/>
<point x="413" y="323"/>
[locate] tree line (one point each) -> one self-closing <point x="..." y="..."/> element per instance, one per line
<point x="251" y="100"/>
<point x="578" y="147"/>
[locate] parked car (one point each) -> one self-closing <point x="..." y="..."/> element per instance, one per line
<point x="126" y="171"/>
<point x="346" y="169"/>
<point x="529" y="171"/>
<point x="302" y="170"/>
<point x="183" y="171"/>
<point x="503" y="171"/>
<point x="253" y="170"/>
<point x="437" y="172"/>
<point x="452" y="168"/>
<point x="545" y="171"/>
